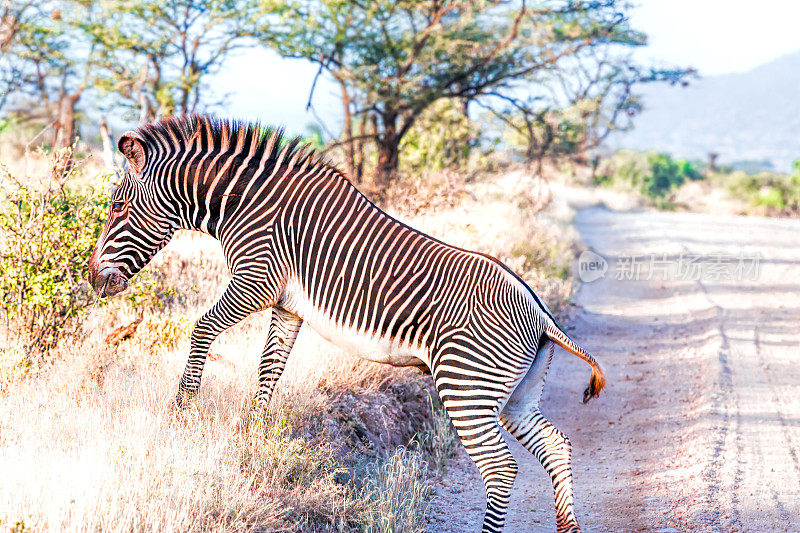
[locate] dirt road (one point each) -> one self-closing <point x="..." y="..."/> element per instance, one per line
<point x="699" y="427"/>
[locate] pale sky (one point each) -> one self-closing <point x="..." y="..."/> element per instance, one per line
<point x="718" y="36"/>
<point x="714" y="36"/>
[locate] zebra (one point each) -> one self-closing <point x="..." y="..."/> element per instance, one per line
<point x="299" y="238"/>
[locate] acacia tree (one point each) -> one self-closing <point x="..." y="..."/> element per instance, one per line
<point x="581" y="103"/>
<point x="393" y="59"/>
<point x="157" y="54"/>
<point x="14" y="15"/>
<point x="147" y="55"/>
<point x="48" y="64"/>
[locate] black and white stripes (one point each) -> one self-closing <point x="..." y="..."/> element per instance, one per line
<point x="300" y="239"/>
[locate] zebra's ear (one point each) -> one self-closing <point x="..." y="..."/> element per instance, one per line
<point x="132" y="147"/>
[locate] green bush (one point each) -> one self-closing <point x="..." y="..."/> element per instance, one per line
<point x="46" y="237"/>
<point x="663" y="177"/>
<point x="652" y="174"/>
<point x="766" y="189"/>
<point x="771" y="197"/>
<point x="442" y="137"/>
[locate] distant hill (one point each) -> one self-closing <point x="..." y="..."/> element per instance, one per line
<point x="748" y="117"/>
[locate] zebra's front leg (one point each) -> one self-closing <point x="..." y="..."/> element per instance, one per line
<point x="236" y="303"/>
<point x="553" y="450"/>
<point x="283" y="329"/>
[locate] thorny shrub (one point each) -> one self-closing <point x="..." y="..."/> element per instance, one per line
<point x="163" y="332"/>
<point x="46" y="237"/>
<point x="419" y="194"/>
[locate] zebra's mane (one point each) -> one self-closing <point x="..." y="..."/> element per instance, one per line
<point x="224" y="135"/>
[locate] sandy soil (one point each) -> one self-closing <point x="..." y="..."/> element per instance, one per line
<point x="699" y="427"/>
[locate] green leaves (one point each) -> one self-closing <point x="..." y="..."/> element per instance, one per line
<point x="149" y="56"/>
<point x="655" y="175"/>
<point x="394" y="59"/>
<point x="441" y="138"/>
<point x="46" y="238"/>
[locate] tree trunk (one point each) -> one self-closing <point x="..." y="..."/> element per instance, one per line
<point x="388" y="152"/>
<point x="56" y="130"/>
<point x="362" y="130"/>
<point x="388" y="157"/>
<point x="350" y="159"/>
<point x="145" y="113"/>
<point x="65" y="129"/>
<point x="108" y="151"/>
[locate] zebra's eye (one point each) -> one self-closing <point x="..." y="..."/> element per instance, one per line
<point x="117" y="206"/>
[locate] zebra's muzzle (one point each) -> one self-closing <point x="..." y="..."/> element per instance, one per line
<point x="109" y="283"/>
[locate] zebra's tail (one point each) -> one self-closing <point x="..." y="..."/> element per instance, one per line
<point x="598" y="380"/>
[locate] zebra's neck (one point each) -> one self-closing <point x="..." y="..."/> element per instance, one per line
<point x="209" y="186"/>
<point x="204" y="170"/>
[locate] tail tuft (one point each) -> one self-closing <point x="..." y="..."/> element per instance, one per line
<point x="596" y="384"/>
<point x="598" y="380"/>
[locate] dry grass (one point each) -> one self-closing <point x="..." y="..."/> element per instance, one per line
<point x="399" y="489"/>
<point x="88" y="440"/>
<point x="92" y="443"/>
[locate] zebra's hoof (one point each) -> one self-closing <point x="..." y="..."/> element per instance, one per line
<point x="260" y="403"/>
<point x="569" y="528"/>
<point x="184" y="399"/>
<point x="253" y="418"/>
<point x="259" y="409"/>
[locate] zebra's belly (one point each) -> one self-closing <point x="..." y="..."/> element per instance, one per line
<point x="365" y="344"/>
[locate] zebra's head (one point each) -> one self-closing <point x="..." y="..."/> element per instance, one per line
<point x="138" y="224"/>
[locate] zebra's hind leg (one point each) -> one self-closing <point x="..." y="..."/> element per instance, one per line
<point x="552" y="448"/>
<point x="487" y="448"/>
<point x="472" y="405"/>
<point x="521" y="417"/>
